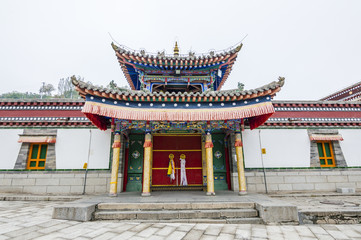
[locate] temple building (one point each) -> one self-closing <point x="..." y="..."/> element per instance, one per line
<point x="174" y="112"/>
<point x="175" y="129"/>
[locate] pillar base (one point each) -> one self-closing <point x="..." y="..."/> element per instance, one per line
<point x="112" y="194"/>
<point x="145" y="194"/>
<point x="211" y="194"/>
<point x="242" y="193"/>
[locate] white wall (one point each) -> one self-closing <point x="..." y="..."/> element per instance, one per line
<point x="284" y="148"/>
<point x="72" y="146"/>
<point x="9" y="147"/>
<point x="351" y="146"/>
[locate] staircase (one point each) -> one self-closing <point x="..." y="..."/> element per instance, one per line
<point x="194" y="212"/>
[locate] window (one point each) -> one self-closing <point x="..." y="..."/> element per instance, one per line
<point x="37" y="156"/>
<point x="325" y="153"/>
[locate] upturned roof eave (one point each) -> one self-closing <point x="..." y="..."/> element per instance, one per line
<point x="132" y="58"/>
<point x="135" y="55"/>
<point x="135" y="95"/>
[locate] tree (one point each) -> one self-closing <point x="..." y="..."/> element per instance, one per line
<point x="46" y="89"/>
<point x="66" y="88"/>
<point x="19" y="95"/>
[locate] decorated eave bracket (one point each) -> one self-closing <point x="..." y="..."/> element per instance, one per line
<point x="123" y="126"/>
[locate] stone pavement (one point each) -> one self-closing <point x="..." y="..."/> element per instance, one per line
<point x="322" y="202"/>
<point x="32" y="220"/>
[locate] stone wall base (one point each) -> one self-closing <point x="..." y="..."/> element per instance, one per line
<point x="56" y="182"/>
<point x="290" y="180"/>
<point x="301" y="180"/>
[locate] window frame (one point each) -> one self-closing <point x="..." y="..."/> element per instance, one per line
<point x="325" y="157"/>
<point x="38" y="159"/>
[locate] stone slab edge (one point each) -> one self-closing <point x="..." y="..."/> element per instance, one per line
<point x="37" y="198"/>
<point x="275" y="211"/>
<point x="75" y="211"/>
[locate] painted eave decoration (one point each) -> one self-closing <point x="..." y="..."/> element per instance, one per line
<point x="131" y="61"/>
<point x="102" y="103"/>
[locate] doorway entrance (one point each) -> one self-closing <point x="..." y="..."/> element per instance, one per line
<point x="177" y="144"/>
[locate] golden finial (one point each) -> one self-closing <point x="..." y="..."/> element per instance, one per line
<point x="176" y="49"/>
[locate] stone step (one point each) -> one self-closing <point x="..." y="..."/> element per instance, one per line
<point x="255" y="220"/>
<point x="173" y="206"/>
<point x="176" y="214"/>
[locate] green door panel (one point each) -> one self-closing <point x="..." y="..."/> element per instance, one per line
<point x="219" y="162"/>
<point x="135" y="163"/>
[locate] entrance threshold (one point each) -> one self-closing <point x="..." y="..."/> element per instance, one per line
<point x="178" y="188"/>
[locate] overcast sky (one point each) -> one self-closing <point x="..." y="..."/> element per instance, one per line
<point x="315" y="44"/>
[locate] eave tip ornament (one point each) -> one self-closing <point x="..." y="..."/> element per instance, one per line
<point x="73" y="80"/>
<point x="281" y="81"/>
<point x="115" y="47"/>
<point x="239" y="47"/>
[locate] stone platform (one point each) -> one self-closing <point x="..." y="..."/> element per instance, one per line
<point x="225" y="207"/>
<point x="325" y="208"/>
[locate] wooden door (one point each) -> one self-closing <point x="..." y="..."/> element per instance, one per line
<point x="135" y="163"/>
<point x="163" y="146"/>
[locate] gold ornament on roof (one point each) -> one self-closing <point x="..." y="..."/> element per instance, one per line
<point x="176" y="49"/>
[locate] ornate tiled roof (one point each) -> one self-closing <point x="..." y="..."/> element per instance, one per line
<point x="315" y="114"/>
<point x="209" y="96"/>
<point x="351" y="93"/>
<point x="42" y="113"/>
<point x="131" y="61"/>
<point x="65" y="112"/>
<point x="102" y="103"/>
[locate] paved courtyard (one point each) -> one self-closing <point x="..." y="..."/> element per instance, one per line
<point x="319" y="202"/>
<point x="32" y="220"/>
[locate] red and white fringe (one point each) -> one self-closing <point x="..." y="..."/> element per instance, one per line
<point x="116" y="145"/>
<point x="164" y="115"/>
<point x="238" y="143"/>
<point x="208" y="144"/>
<point x="148" y="143"/>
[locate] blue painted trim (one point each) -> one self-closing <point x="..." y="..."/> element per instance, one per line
<point x="171" y="83"/>
<point x="134" y="75"/>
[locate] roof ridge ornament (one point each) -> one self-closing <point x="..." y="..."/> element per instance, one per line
<point x="176" y="49"/>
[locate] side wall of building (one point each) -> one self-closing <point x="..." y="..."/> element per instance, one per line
<point x="284" y="148"/>
<point x="351" y="146"/>
<point x="72" y="148"/>
<point x="9" y="147"/>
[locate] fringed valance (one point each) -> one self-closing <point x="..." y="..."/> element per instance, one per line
<point x="256" y="110"/>
<point x="326" y="137"/>
<point x="37" y="139"/>
<point x="177" y="114"/>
